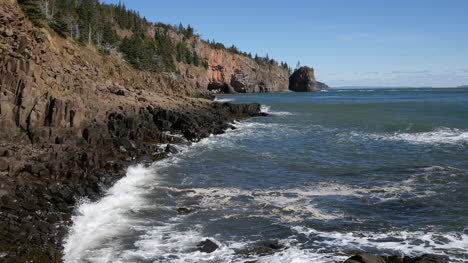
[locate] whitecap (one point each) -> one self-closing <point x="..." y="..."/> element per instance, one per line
<point x="267" y="109"/>
<point x="223" y="99"/>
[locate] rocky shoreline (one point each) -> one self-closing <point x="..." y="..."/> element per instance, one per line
<point x="40" y="193"/>
<point x="72" y="120"/>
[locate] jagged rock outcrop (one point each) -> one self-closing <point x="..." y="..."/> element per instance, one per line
<point x="303" y="80"/>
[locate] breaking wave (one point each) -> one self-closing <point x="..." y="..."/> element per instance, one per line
<point x="267" y="110"/>
<point x="223" y="99"/>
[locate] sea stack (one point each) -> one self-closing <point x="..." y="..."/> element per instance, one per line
<point x="303" y="80"/>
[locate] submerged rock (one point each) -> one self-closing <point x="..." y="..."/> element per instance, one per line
<point x="185" y="210"/>
<point x="371" y="258"/>
<point x="207" y="246"/>
<point x="365" y="258"/>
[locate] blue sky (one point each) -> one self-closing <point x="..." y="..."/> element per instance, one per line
<point x="348" y="43"/>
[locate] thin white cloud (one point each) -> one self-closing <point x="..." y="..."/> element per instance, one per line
<point x="367" y="73"/>
<point x="353" y="36"/>
<point x="397" y="72"/>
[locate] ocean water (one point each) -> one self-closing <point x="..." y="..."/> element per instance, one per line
<point x="326" y="175"/>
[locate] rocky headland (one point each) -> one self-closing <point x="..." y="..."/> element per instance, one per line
<point x="303" y="80"/>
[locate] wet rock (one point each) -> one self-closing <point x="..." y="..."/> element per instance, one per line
<point x="365" y="258"/>
<point x="185" y="210"/>
<point x="207" y="246"/>
<point x="171" y="149"/>
<point x="257" y="251"/>
<point x="393" y="259"/>
<point x="122" y="149"/>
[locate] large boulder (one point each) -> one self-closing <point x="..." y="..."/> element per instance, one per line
<point x="207" y="246"/>
<point x="303" y="80"/>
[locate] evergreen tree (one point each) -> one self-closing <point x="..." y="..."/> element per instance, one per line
<point x="33" y="11"/>
<point x="59" y="25"/>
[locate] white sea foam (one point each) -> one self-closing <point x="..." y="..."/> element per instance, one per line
<point x="223" y="99"/>
<point x="273" y="202"/>
<point x="97" y="222"/>
<point x="394" y="243"/>
<point x="297" y="255"/>
<point x="439" y="136"/>
<point x="267" y="109"/>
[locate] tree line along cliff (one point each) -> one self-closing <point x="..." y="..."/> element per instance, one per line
<point x="159" y="47"/>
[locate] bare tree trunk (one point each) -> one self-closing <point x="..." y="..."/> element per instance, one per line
<point x="89" y="34"/>
<point x="46" y="7"/>
<point x="98" y="36"/>
<point x="77" y="30"/>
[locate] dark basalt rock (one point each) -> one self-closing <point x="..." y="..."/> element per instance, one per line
<point x="207" y="246"/>
<point x="371" y="258"/>
<point x="171" y="149"/>
<point x="185" y="210"/>
<point x="365" y="258"/>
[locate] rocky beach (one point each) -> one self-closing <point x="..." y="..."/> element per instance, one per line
<point x="75" y="115"/>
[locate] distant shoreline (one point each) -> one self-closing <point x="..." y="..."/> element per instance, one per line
<point x="383" y="87"/>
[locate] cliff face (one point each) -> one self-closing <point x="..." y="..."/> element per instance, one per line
<point x="242" y="74"/>
<point x="230" y="73"/>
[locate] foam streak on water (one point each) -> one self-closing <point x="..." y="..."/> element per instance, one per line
<point x="441" y="135"/>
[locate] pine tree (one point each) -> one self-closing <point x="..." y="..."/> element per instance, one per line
<point x="33" y="11"/>
<point x="59" y="25"/>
